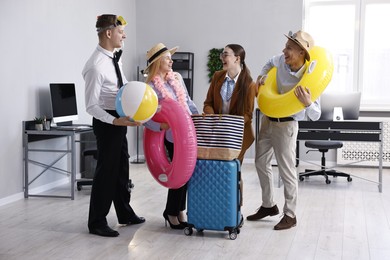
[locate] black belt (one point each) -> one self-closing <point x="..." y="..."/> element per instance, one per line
<point x="282" y="119"/>
<point x="113" y="113"/>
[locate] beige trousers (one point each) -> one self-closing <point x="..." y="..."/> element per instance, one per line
<point x="278" y="138"/>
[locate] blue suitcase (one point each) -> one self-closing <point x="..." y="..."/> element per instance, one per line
<point x="214" y="197"/>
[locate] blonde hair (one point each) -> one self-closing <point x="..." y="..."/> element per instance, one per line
<point x="153" y="70"/>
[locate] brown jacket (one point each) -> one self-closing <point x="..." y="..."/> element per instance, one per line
<point x="213" y="105"/>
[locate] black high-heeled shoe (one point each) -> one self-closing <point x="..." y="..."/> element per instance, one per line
<point x="173" y="226"/>
<point x="184" y="223"/>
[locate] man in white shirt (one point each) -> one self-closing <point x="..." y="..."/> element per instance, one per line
<point x="103" y="79"/>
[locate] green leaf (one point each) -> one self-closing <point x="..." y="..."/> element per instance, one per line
<point x="214" y="62"/>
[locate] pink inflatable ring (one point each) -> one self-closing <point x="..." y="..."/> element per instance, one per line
<point x="173" y="174"/>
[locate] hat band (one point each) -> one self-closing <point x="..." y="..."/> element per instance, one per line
<point x="156" y="54"/>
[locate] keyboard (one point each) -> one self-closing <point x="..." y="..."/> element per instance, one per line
<point x="72" y="127"/>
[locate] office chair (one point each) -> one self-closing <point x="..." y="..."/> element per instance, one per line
<point x="93" y="152"/>
<point x="87" y="152"/>
<point x="323" y="147"/>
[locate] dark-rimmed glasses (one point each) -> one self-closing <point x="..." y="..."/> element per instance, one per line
<point x="224" y="55"/>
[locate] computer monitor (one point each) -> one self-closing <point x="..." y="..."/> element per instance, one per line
<point x="348" y="101"/>
<point x="63" y="103"/>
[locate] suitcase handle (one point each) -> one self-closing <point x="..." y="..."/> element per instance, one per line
<point x="238" y="184"/>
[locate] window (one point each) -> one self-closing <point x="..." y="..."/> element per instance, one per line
<point x="355" y="32"/>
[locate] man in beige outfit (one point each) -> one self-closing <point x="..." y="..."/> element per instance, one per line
<point x="279" y="135"/>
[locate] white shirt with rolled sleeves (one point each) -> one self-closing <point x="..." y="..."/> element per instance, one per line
<point x="101" y="84"/>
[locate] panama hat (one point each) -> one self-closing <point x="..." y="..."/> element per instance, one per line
<point x="303" y="39"/>
<point x="156" y="52"/>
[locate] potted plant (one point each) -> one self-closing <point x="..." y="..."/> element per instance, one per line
<point x="214" y="63"/>
<point x="38" y="123"/>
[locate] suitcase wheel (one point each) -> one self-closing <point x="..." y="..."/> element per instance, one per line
<point x="188" y="231"/>
<point x="233" y="234"/>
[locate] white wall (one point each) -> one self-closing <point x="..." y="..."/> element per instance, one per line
<point x="198" y="26"/>
<point x="45" y="41"/>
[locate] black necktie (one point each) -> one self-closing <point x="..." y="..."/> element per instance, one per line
<point x="115" y="59"/>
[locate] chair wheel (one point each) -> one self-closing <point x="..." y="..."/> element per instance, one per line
<point x="301" y="178"/>
<point x="327" y="181"/>
<point x="79" y="187"/>
<point x="349" y="179"/>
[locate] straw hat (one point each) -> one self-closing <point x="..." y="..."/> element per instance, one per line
<point x="156" y="52"/>
<point x="303" y="39"/>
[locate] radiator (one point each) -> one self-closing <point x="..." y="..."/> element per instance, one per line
<point x="367" y="152"/>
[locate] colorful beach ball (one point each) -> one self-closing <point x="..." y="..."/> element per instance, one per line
<point x="137" y="100"/>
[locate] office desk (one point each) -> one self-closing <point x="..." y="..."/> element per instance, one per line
<point x="353" y="130"/>
<point x="30" y="136"/>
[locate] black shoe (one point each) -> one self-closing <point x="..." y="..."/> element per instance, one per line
<point x="105" y="231"/>
<point x="134" y="220"/>
<point x="264" y="212"/>
<point x="185" y="224"/>
<point x="286" y="223"/>
<point x="173" y="226"/>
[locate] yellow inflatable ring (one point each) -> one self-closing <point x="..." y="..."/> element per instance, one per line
<point x="316" y="78"/>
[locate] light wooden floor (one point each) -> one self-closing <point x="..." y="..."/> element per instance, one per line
<point x="337" y="221"/>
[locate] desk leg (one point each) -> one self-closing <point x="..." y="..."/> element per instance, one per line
<point x="25" y="142"/>
<point x="380" y="160"/>
<point x="73" y="171"/>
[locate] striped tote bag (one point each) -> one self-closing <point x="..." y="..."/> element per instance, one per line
<point x="219" y="136"/>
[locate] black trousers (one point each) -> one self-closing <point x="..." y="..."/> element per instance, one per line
<point x="176" y="200"/>
<point x="111" y="176"/>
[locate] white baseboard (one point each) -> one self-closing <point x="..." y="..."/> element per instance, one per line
<point x="12" y="198"/>
<point x="37" y="190"/>
<point x="134" y="157"/>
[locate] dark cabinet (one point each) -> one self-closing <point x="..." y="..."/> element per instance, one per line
<point x="183" y="63"/>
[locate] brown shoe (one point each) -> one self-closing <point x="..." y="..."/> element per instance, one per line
<point x="264" y="212"/>
<point x="286" y="223"/>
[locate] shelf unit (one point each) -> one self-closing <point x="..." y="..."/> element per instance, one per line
<point x="183" y="63"/>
